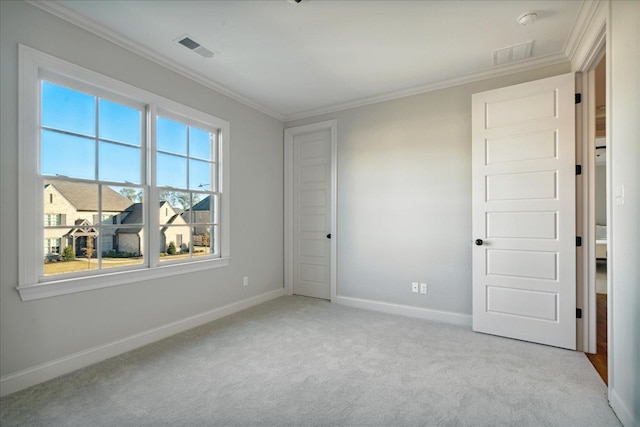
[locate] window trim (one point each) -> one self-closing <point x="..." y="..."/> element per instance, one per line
<point x="34" y="65"/>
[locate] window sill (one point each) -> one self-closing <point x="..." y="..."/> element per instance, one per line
<point x="70" y="286"/>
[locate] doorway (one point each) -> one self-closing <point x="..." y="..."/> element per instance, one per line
<point x="310" y="210"/>
<point x="599" y="359"/>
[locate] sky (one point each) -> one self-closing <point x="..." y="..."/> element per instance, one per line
<point x="91" y="138"/>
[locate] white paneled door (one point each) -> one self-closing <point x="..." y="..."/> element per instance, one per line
<point x="311" y="210"/>
<point x="524" y="256"/>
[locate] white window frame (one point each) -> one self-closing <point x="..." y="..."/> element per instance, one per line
<point x="189" y="121"/>
<point x="33" y="65"/>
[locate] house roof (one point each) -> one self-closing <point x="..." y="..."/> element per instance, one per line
<point x="202" y="205"/>
<point x="135" y="216"/>
<point x="84" y="197"/>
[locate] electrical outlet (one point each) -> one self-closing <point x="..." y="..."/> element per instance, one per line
<point x="245" y="281"/>
<point x="423" y="288"/>
<point x="414" y="287"/>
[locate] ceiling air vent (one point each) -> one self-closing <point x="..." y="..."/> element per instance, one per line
<point x="512" y="53"/>
<point x="193" y="45"/>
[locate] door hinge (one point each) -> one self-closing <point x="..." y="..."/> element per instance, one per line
<point x="578" y="169"/>
<point x="578" y="313"/>
<point x="578" y="241"/>
<point x="578" y="98"/>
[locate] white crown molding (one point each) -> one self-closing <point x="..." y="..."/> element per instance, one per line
<point x="577" y="33"/>
<point x="57" y="9"/>
<point x="585" y="15"/>
<point x="499" y="71"/>
<point x="592" y="38"/>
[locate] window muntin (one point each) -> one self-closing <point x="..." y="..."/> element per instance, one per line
<point x="186" y="171"/>
<point x="36" y="67"/>
<point x="83" y="152"/>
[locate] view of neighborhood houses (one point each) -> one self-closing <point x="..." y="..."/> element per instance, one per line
<point x="76" y="238"/>
<point x="87" y="143"/>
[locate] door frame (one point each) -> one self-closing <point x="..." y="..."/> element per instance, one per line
<point x="585" y="145"/>
<point x="595" y="41"/>
<point x="289" y="134"/>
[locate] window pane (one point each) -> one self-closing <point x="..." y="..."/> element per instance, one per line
<point x="67" y="155"/>
<point x="199" y="175"/>
<point x="199" y="143"/>
<point x="171" y="171"/>
<point x="174" y="242"/>
<point x="196" y="198"/>
<point x="74" y="203"/>
<point x="134" y="194"/>
<point x="174" y="207"/>
<point x="203" y="210"/>
<point x="119" y="123"/>
<point x="202" y="240"/>
<point x="73" y="253"/>
<point x="119" y="163"/>
<point x="122" y="246"/>
<point x="79" y="202"/>
<point x="68" y="110"/>
<point x="171" y="136"/>
<point x="122" y="205"/>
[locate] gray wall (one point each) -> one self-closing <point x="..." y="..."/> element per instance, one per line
<point x="404" y="195"/>
<point x="624" y="225"/>
<point x="40" y="331"/>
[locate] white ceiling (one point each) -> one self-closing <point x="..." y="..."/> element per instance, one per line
<point x="296" y="60"/>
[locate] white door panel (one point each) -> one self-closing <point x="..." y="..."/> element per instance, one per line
<point x="524" y="283"/>
<point x="521" y="147"/>
<point x="519" y="186"/>
<point x="523" y="225"/>
<point x="312" y="214"/>
<point x="521" y="108"/>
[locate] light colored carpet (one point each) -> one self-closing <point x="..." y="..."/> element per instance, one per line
<point x="298" y="361"/>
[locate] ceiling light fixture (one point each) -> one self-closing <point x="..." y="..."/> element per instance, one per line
<point x="527" y="18"/>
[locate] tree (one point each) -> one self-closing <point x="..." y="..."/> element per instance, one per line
<point x="178" y="199"/>
<point x="206" y="239"/>
<point x="132" y="194"/>
<point x="89" y="250"/>
<point x="171" y="250"/>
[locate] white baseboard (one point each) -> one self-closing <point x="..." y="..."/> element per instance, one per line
<point x="407" y="310"/>
<point x="55" y="368"/>
<point x="621" y="410"/>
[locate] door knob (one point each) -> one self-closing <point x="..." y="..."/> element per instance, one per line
<point x="479" y="242"/>
<point x="329" y="236"/>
